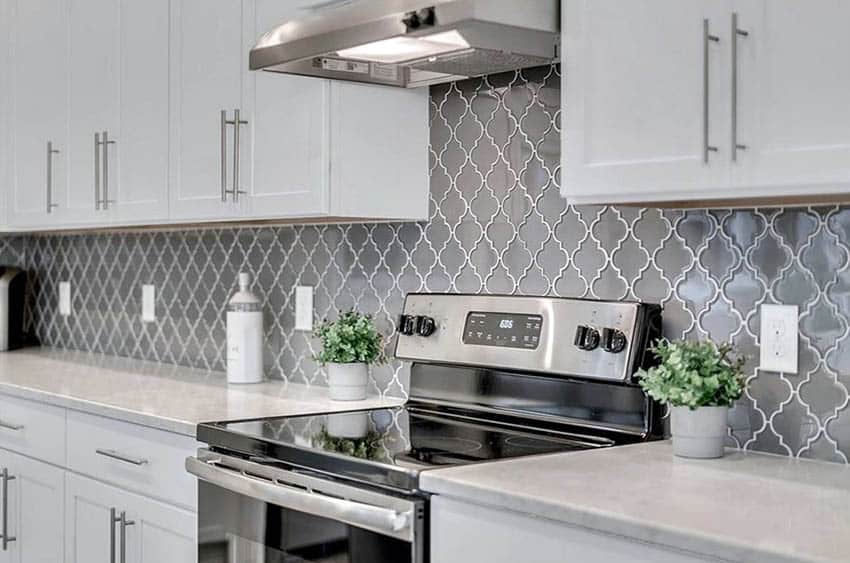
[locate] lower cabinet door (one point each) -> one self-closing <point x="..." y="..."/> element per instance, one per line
<point x="33" y="495"/>
<point x="103" y="522"/>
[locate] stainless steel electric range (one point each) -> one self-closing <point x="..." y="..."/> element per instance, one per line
<point x="492" y="377"/>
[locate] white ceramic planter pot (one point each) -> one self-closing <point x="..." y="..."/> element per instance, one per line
<point x="348" y="382"/>
<point x="348" y="425"/>
<point x="698" y="433"/>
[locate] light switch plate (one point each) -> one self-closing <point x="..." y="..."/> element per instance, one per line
<point x="65" y="298"/>
<point x="778" y="338"/>
<point x="304" y="307"/>
<point x="148" y="303"/>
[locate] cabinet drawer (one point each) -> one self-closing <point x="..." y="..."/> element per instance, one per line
<point x="136" y="458"/>
<point x="33" y="429"/>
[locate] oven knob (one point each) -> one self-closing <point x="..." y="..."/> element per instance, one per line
<point x="407" y="325"/>
<point x="425" y="326"/>
<point x="587" y="338"/>
<point x="613" y="340"/>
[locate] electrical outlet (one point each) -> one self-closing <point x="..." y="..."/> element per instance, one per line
<point x="304" y="307"/>
<point x="778" y="338"/>
<point x="65" y="298"/>
<point x="148" y="303"/>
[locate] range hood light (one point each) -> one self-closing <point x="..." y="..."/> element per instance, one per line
<point x="401" y="49"/>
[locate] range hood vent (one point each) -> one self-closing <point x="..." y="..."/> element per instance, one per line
<point x="411" y="43"/>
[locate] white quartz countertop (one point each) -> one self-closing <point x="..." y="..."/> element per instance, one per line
<point x="162" y="396"/>
<point x="743" y="507"/>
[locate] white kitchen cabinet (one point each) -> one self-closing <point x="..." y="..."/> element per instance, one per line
<point x="793" y="91"/>
<point x="468" y="533"/>
<point x="5" y="116"/>
<point x="37" y="106"/>
<point x="34" y="511"/>
<point x="154" y="532"/>
<point x="654" y="112"/>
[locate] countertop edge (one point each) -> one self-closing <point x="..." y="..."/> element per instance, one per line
<point x="158" y="422"/>
<point x="610" y="523"/>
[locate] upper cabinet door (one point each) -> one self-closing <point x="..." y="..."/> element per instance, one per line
<point x="38" y="111"/>
<point x="208" y="59"/>
<point x="793" y="96"/>
<point x="645" y="99"/>
<point x="94" y="102"/>
<point x="139" y="181"/>
<point x="284" y="144"/>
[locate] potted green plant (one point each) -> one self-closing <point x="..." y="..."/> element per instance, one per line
<point x="350" y="345"/>
<point x="699" y="381"/>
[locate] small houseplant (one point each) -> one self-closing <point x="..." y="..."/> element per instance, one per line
<point x="349" y="345"/>
<point x="699" y="381"/>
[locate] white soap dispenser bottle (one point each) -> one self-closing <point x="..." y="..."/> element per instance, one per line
<point x="244" y="335"/>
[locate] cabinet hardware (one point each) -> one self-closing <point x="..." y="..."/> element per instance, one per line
<point x="97" y="143"/>
<point x="113" y="519"/>
<point x="50" y="152"/>
<point x="106" y="142"/>
<point x="10" y="426"/>
<point x="6" y="538"/>
<point x="112" y="454"/>
<point x="707" y="39"/>
<point x="124" y="523"/>
<point x="237" y="122"/>
<point x="736" y="33"/>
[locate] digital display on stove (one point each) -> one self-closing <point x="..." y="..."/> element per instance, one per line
<point x="507" y="330"/>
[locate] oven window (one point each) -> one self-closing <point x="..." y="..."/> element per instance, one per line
<point x="236" y="529"/>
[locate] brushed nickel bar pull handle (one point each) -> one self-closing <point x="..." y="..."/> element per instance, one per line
<point x="97" y="143"/>
<point x="10" y="426"/>
<point x="106" y="142"/>
<point x="224" y="123"/>
<point x="113" y="519"/>
<point x="707" y="38"/>
<point x="736" y="32"/>
<point x="124" y="524"/>
<point x="6" y="538"/>
<point x="237" y="153"/>
<point x="112" y="454"/>
<point x="50" y="152"/>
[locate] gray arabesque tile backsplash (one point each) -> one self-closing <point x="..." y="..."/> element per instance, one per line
<point x="498" y="224"/>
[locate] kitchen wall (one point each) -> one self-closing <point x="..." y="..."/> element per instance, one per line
<point x="498" y="225"/>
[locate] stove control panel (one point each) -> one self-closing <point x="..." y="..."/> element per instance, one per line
<point x="509" y="330"/>
<point x="581" y="338"/>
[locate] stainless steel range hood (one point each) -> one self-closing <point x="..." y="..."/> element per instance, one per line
<point x="409" y="43"/>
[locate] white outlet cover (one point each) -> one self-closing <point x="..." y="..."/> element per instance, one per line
<point x="778" y="338"/>
<point x="65" y="298"/>
<point x="304" y="307"/>
<point x="148" y="303"/>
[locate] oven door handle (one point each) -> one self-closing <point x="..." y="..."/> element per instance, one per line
<point x="382" y="520"/>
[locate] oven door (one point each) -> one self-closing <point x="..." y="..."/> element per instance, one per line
<point x="253" y="513"/>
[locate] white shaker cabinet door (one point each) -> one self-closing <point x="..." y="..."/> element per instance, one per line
<point x="284" y="144"/>
<point x="38" y="110"/>
<point x="793" y="92"/>
<point x="88" y="520"/>
<point x="94" y="101"/>
<point x="645" y="97"/>
<point x="207" y="62"/>
<point x="138" y="183"/>
<point x="35" y="511"/>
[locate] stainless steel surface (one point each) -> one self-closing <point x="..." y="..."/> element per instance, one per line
<point x="50" y="152"/>
<point x="121" y="457"/>
<point x="224" y="190"/>
<point x="736" y="33"/>
<point x="6" y="539"/>
<point x="123" y="522"/>
<point x="238" y="122"/>
<point x="106" y="142"/>
<point x="442" y="40"/>
<point x="97" y="144"/>
<point x="113" y="519"/>
<point x="10" y="426"/>
<point x="555" y="353"/>
<point x="707" y="39"/>
<point x="384" y="514"/>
